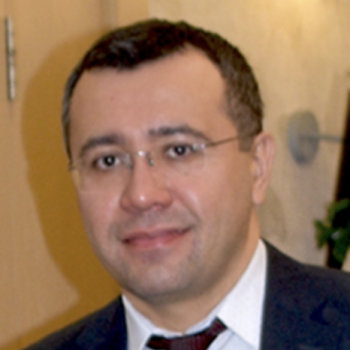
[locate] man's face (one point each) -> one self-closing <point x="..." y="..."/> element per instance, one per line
<point x="163" y="235"/>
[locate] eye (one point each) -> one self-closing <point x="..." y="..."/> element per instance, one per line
<point x="106" y="162"/>
<point x="180" y="151"/>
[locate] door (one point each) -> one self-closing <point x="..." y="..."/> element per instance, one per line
<point x="48" y="273"/>
<point x="7" y="303"/>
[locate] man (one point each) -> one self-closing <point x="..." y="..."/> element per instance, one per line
<point x="163" y="129"/>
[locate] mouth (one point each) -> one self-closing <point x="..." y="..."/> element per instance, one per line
<point x="154" y="238"/>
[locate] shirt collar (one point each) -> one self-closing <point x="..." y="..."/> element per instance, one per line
<point x="241" y="310"/>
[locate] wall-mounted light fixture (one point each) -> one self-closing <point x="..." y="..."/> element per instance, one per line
<point x="304" y="136"/>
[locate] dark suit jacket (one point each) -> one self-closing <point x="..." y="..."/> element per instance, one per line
<point x="306" y="308"/>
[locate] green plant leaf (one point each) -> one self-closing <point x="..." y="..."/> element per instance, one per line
<point x="335" y="229"/>
<point x="323" y="232"/>
<point x="342" y="244"/>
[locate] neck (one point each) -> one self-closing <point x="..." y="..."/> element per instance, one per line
<point x="174" y="316"/>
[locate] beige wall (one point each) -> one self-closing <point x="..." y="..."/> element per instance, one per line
<point x="123" y="12"/>
<point x="300" y="51"/>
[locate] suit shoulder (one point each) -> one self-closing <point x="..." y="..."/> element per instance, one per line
<point x="319" y="281"/>
<point x="91" y="326"/>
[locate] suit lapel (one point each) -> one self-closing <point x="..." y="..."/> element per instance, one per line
<point x="106" y="332"/>
<point x="297" y="313"/>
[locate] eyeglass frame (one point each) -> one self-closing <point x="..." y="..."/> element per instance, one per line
<point x="195" y="147"/>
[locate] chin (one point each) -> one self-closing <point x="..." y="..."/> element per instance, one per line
<point x="155" y="287"/>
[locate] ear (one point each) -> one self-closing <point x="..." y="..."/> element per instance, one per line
<point x="263" y="155"/>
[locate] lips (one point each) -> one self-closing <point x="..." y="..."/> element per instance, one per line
<point x="153" y="239"/>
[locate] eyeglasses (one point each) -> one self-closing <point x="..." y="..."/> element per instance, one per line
<point x="109" y="167"/>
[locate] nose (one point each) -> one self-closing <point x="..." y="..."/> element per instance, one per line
<point x="146" y="188"/>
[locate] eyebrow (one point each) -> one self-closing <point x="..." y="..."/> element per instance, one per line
<point x="104" y="140"/>
<point x="179" y="129"/>
<point x="163" y="131"/>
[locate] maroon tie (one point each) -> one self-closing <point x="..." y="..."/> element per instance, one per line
<point x="198" y="341"/>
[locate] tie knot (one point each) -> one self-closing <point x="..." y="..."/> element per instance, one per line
<point x="197" y="341"/>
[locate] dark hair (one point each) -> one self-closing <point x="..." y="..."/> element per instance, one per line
<point x="129" y="47"/>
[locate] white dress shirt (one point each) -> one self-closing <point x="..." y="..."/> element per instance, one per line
<point x="241" y="311"/>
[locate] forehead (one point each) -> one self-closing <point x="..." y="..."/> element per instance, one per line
<point x="185" y="88"/>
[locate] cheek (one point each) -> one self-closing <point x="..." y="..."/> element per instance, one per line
<point x="202" y="196"/>
<point x="98" y="212"/>
<point x="193" y="194"/>
<point x="228" y="192"/>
